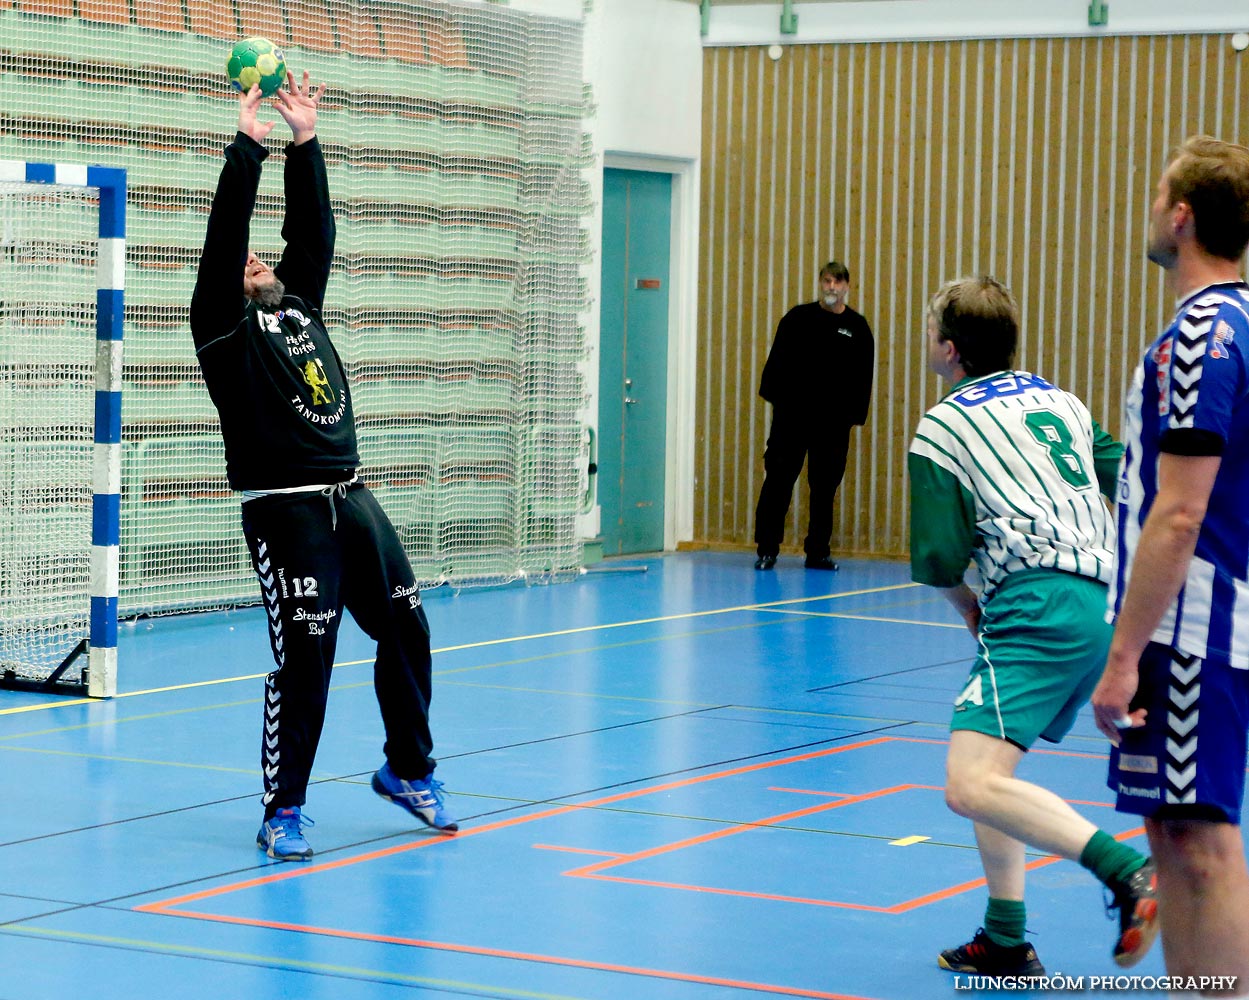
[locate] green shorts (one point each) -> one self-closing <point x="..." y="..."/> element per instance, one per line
<point x="1043" y="645"/>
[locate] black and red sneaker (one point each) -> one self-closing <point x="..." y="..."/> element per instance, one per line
<point x="984" y="956"/>
<point x="1137" y="902"/>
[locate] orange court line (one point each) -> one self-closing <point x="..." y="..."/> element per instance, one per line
<point x="706" y="838"/>
<point x="575" y="963"/>
<point x="807" y="791"/>
<point x="1034" y="750"/>
<point x="772" y="897"/>
<point x="896" y="908"/>
<point x="955" y="890"/>
<point x="575" y="850"/>
<point x="594" y="870"/>
<point x="165" y="905"/>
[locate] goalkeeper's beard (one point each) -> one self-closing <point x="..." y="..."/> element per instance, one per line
<point x="270" y="295"/>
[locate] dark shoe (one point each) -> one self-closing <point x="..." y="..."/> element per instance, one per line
<point x="1137" y="903"/>
<point x="765" y="562"/>
<point x="985" y="956"/>
<point x="823" y="562"/>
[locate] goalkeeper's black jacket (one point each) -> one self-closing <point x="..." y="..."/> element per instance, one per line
<point x="277" y="382"/>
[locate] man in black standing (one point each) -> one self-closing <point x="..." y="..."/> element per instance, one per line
<point x="818" y="378"/>
<point x="319" y="541"/>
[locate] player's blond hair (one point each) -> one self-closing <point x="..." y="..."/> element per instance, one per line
<point x="980" y="316"/>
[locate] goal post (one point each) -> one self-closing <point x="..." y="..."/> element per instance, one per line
<point x="60" y="588"/>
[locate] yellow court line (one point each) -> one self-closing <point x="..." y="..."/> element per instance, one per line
<point x="479" y="645"/>
<point x="943" y="726"/>
<point x="132" y="694"/>
<point x="278" y="962"/>
<point x="442" y="675"/>
<point x="862" y="618"/>
<point x="672" y="618"/>
<point x="127" y="760"/>
<point x="598" y="696"/>
<point x="446" y="672"/>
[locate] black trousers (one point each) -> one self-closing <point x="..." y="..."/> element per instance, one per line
<point x="316" y="555"/>
<point x="793" y="439"/>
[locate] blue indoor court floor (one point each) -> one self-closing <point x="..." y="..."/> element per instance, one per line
<point x="693" y="782"/>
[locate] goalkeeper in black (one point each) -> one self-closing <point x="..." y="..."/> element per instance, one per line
<point x="319" y="541"/>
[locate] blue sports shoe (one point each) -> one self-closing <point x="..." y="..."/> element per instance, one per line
<point x="421" y="797"/>
<point x="280" y="837"/>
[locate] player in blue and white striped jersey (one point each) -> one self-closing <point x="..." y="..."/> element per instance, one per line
<point x="1174" y="697"/>
<point x="1009" y="471"/>
<point x="1196" y="378"/>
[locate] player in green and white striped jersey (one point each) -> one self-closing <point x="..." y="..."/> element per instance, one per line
<point x="1005" y="471"/>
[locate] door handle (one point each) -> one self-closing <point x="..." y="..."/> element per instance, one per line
<point x="629" y="400"/>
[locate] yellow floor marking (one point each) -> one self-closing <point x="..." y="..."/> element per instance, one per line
<point x="479" y="645"/>
<point x="908" y="841"/>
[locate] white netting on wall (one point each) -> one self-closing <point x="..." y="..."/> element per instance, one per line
<point x="455" y="145"/>
<point x="48" y="249"/>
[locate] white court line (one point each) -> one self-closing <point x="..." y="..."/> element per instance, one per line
<point x="767" y="606"/>
<point x="862" y="618"/>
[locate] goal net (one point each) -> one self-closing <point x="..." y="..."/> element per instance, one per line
<point x="60" y="323"/>
<point x="455" y="140"/>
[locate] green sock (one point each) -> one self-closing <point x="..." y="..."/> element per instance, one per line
<point x="1110" y="860"/>
<point x="1004" y="921"/>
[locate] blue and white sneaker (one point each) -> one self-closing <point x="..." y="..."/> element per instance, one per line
<point x="422" y="798"/>
<point x="281" y="836"/>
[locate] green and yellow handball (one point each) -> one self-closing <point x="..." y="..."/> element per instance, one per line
<point x="256" y="60"/>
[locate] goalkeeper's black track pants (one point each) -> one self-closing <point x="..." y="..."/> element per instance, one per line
<point x="316" y="553"/>
<point x="824" y="445"/>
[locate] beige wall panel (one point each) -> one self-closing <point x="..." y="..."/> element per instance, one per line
<point x="723" y="282"/>
<point x="913" y="387"/>
<point x="741" y="291"/>
<point x="896" y="191"/>
<point x="714" y="111"/>
<point x="754" y="201"/>
<point x="793" y="184"/>
<point x="1034" y="160"/>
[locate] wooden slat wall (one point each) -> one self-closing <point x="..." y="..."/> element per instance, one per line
<point x="1034" y="160"/>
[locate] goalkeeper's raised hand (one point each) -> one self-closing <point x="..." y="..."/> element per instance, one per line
<point x="297" y="103"/>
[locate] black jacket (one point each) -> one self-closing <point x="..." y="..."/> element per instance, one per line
<point x="274" y="375"/>
<point x="820" y="365"/>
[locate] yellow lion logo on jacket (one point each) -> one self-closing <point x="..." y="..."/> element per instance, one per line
<point x="314" y="376"/>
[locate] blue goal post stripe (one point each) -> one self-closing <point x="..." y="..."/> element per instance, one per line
<point x="110" y="314"/>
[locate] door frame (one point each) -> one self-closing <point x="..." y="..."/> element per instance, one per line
<point x="682" y="336"/>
